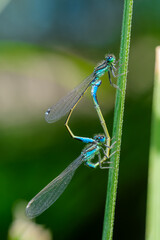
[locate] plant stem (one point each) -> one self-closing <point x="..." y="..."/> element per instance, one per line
<point x="118" y="121"/>
<point x="153" y="198"/>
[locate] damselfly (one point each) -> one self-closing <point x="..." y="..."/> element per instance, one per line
<point x="69" y="102"/>
<point x="48" y="195"/>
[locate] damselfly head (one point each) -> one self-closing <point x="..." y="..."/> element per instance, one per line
<point x="100" y="138"/>
<point x="110" y="58"/>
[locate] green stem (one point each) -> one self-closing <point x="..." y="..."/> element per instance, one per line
<point x="153" y="198"/>
<point x="118" y="121"/>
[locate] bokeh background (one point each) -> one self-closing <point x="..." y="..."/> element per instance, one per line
<point x="46" y="49"/>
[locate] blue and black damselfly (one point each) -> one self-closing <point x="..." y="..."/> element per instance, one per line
<point x="49" y="194"/>
<point x="69" y="102"/>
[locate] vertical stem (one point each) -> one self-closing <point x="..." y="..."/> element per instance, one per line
<point x="153" y="198"/>
<point x="118" y="121"/>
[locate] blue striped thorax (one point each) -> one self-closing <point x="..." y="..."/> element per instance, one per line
<point x="104" y="66"/>
<point x="92" y="149"/>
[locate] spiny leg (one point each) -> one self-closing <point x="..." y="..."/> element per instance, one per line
<point x="114" y="75"/>
<point x="106" y="162"/>
<point x="109" y="76"/>
<point x="106" y="157"/>
<point x="112" y="145"/>
<point x="100" y="163"/>
<point x="110" y="155"/>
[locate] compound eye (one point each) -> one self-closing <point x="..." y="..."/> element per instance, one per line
<point x="102" y="139"/>
<point x="109" y="58"/>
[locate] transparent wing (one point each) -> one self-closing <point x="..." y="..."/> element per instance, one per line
<point x="65" y="104"/>
<point x="48" y="195"/>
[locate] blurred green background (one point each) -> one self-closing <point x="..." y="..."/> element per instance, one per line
<point x="46" y="49"/>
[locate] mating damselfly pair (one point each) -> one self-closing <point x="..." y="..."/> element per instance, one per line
<point x="99" y="143"/>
